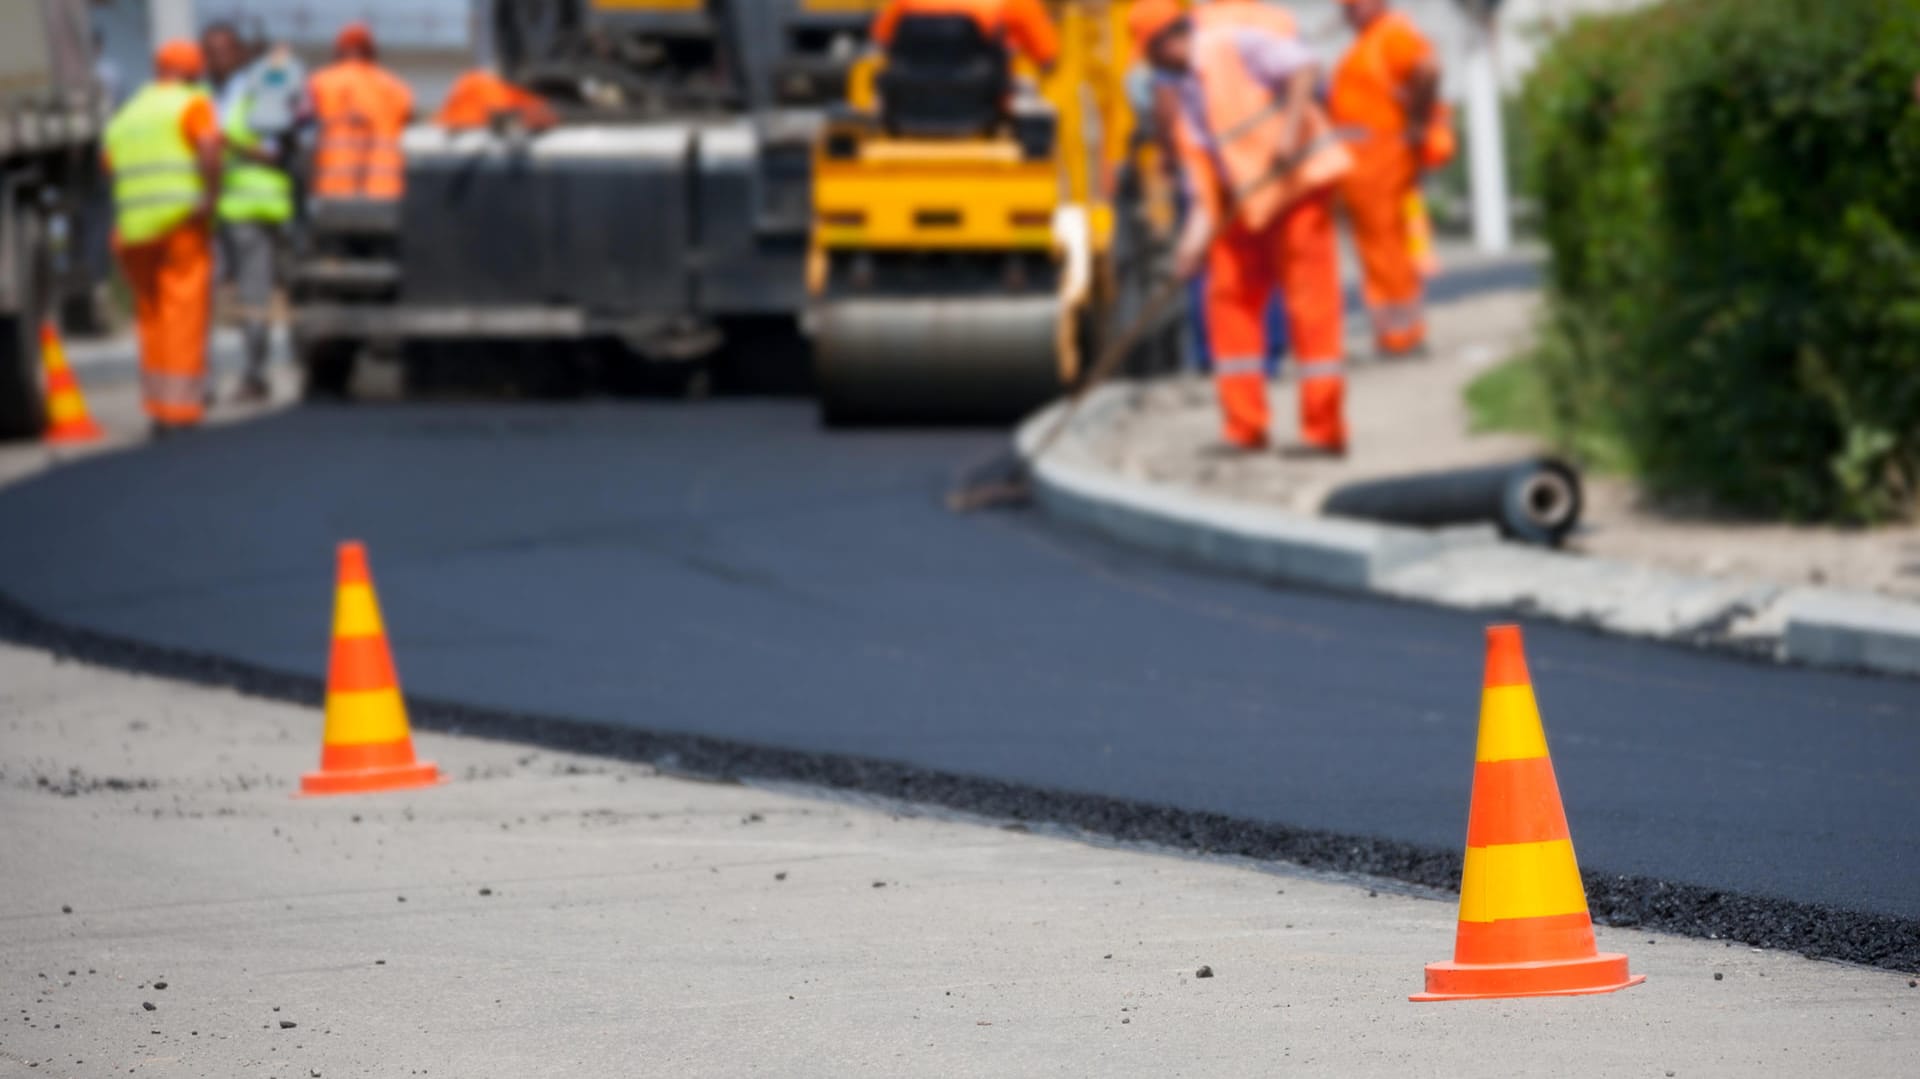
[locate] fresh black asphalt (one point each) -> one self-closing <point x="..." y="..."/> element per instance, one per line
<point x="729" y="570"/>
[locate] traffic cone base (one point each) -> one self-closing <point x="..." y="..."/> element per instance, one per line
<point x="68" y="420"/>
<point x="368" y="780"/>
<point x="368" y="745"/>
<point x="1605" y="972"/>
<point x="1524" y="930"/>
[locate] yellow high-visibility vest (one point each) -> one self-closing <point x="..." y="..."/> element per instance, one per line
<point x="249" y="190"/>
<point x="156" y="178"/>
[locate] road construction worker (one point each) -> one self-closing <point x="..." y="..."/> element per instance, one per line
<point x="479" y="97"/>
<point x="1023" y="26"/>
<point x="163" y="152"/>
<point x="256" y="195"/>
<point x="359" y="110"/>
<point x="1259" y="160"/>
<point x="1384" y="103"/>
<point x="1152" y="103"/>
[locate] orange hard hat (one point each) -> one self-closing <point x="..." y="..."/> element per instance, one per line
<point x="1151" y="18"/>
<point x="179" y="58"/>
<point x="356" y="36"/>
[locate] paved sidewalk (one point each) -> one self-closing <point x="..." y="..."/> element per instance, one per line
<point x="1409" y="416"/>
<point x="1142" y="464"/>
<point x="554" y="915"/>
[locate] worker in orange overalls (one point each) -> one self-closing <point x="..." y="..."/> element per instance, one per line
<point x="1259" y="159"/>
<point x="1384" y="100"/>
<point x="1021" y="25"/>
<point x="163" y="150"/>
<point x="360" y="110"/>
<point x="480" y="96"/>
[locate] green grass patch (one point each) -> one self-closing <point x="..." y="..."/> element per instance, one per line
<point x="1510" y="397"/>
<point x="1515" y="397"/>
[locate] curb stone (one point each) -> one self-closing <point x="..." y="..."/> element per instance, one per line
<point x="1831" y="627"/>
<point x="1469" y="568"/>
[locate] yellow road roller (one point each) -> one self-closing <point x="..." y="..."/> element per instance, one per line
<point x="958" y="267"/>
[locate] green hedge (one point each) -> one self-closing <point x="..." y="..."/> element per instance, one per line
<point x="1731" y="193"/>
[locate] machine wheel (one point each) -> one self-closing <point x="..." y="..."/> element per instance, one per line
<point x="329" y="367"/>
<point x="23" y="402"/>
<point x="929" y="359"/>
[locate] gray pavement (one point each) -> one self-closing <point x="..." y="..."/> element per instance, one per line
<point x="635" y="924"/>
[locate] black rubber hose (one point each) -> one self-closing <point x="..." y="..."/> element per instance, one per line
<point x="1534" y="501"/>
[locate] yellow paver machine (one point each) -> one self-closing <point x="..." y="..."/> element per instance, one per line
<point x="962" y="257"/>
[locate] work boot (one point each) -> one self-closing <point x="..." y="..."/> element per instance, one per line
<point x="1402" y="348"/>
<point x="1232" y="447"/>
<point x="253" y="390"/>
<point x="1308" y="451"/>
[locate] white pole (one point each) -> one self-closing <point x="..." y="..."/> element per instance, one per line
<point x="1487" y="166"/>
<point x="169" y="19"/>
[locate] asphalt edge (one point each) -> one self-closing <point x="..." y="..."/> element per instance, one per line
<point x="1620" y="900"/>
<point x="1467" y="569"/>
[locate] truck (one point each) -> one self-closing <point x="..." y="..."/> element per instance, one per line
<point x="54" y="211"/>
<point x="669" y="208"/>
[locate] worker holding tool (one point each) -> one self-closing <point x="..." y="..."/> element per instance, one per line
<point x="1021" y="26"/>
<point x="481" y="97"/>
<point x="163" y="151"/>
<point x="1260" y="162"/>
<point x="256" y="192"/>
<point x="1385" y="101"/>
<point x="360" y="110"/>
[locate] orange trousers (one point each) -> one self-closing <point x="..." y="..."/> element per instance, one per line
<point x="1297" y="253"/>
<point x="1376" y="194"/>
<point x="172" y="282"/>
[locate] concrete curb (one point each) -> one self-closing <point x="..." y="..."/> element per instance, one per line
<point x="1471" y="569"/>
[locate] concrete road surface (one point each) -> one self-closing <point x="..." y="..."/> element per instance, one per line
<point x="549" y="915"/>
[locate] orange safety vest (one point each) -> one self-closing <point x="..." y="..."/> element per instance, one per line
<point x="361" y="111"/>
<point x="1366" y="96"/>
<point x="1256" y="175"/>
<point x="479" y="96"/>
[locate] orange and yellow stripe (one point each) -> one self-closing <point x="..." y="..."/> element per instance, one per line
<point x="68" y="420"/>
<point x="1520" y="893"/>
<point x="367" y="744"/>
<point x="1524" y="929"/>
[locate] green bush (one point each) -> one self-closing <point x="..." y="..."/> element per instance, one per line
<point x="1731" y="193"/>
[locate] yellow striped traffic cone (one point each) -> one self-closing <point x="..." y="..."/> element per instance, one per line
<point x="367" y="745"/>
<point x="1524" y="929"/>
<point x="68" y="421"/>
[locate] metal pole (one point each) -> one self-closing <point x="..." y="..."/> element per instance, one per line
<point x="168" y="19"/>
<point x="1487" y="166"/>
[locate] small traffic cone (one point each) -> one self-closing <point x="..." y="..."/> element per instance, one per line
<point x="367" y="745"/>
<point x="1420" y="236"/>
<point x="68" y="420"/>
<point x="1524" y="929"/>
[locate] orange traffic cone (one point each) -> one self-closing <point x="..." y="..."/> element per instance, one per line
<point x="1524" y="929"/>
<point x="68" y="420"/>
<point x="367" y="745"/>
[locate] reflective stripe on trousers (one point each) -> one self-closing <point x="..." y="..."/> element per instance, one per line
<point x="168" y="389"/>
<point x="1241" y="365"/>
<point x="1403" y="316"/>
<point x="171" y="279"/>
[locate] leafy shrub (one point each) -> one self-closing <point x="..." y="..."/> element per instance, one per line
<point x="1731" y="193"/>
